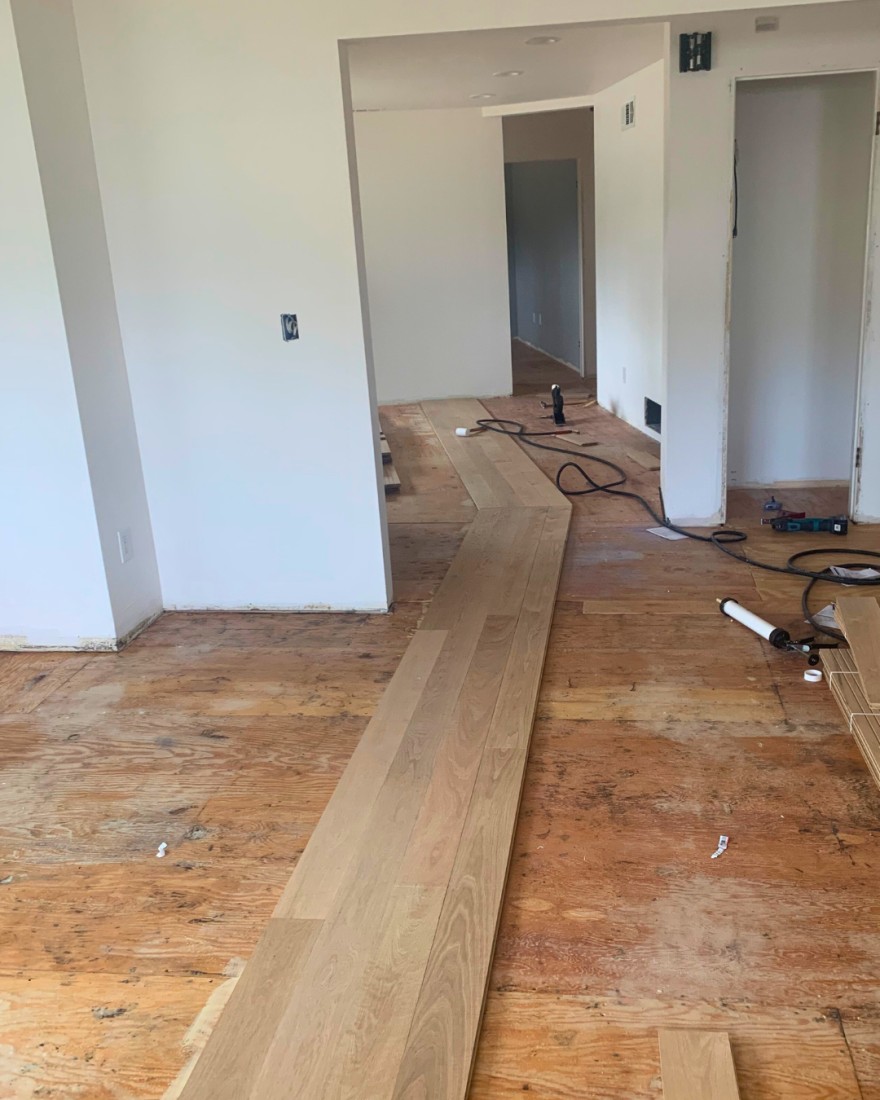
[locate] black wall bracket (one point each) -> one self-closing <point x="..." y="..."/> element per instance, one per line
<point x="695" y="52"/>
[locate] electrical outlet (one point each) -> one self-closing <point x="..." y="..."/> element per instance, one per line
<point x="289" y="327"/>
<point x="126" y="549"/>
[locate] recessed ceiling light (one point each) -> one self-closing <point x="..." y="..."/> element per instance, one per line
<point x="542" y="40"/>
<point x="509" y="72"/>
<point x="482" y="95"/>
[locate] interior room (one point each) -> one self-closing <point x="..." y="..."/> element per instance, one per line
<point x="439" y="627"/>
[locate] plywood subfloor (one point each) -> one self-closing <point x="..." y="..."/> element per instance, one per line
<point x="660" y="725"/>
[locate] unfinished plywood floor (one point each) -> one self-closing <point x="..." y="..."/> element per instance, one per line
<point x="659" y="727"/>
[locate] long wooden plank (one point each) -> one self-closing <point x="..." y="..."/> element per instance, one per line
<point x="441" y="1046"/>
<point x="231" y="1061"/>
<point x="420" y="827"/>
<point x="860" y="618"/>
<point x="697" y="1065"/>
<point x="328" y="854"/>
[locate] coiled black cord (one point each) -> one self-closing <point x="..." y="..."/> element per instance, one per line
<point x="722" y="539"/>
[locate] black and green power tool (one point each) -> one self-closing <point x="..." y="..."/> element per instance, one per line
<point x="836" y="525"/>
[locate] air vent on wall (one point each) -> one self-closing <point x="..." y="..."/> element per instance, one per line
<point x="628" y="115"/>
<point x="652" y="415"/>
<point x="767" y="23"/>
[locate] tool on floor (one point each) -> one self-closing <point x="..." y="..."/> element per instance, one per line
<point x="837" y="525"/>
<point x="775" y="635"/>
<point x="768" y="521"/>
<point x="558" y="404"/>
<point x="772" y="505"/>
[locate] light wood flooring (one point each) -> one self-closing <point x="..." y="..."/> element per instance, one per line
<point x="659" y="726"/>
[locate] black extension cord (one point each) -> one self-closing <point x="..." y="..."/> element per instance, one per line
<point x="721" y="539"/>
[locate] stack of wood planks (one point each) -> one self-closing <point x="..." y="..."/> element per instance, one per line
<point x="854" y="674"/>
<point x="390" y="476"/>
<point x="370" y="979"/>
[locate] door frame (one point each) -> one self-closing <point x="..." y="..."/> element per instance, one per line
<point x="581" y="365"/>
<point x="869" y="331"/>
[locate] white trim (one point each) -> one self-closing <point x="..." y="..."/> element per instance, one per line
<point x="536" y="106"/>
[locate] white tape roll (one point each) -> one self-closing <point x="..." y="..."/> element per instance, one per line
<point x="813" y="675"/>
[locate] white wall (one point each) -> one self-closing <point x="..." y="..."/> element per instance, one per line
<point x="53" y="590"/>
<point x="629" y="245"/>
<point x="565" y="135"/>
<point x="225" y="173"/>
<point x="60" y="123"/>
<point x="432" y="209"/>
<point x="698" y="242"/>
<point x="798" y="275"/>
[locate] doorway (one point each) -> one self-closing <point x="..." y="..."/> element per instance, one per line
<point x="803" y="170"/>
<point x="544" y="257"/>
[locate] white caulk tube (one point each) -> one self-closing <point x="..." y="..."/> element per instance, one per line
<point x="774" y="635"/>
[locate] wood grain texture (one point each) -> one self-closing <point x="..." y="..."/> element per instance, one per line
<point x="402" y="881"/>
<point x="697" y="1065"/>
<point x="227" y="733"/>
<point x="860" y="620"/>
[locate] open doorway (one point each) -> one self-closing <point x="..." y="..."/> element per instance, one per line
<point x="548" y="176"/>
<point x="803" y="168"/>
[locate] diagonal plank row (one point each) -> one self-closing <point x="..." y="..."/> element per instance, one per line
<point x="370" y="979"/>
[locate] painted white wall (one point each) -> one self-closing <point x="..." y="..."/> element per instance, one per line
<point x="699" y="168"/>
<point x="798" y="276"/>
<point x="60" y="124"/>
<point x="564" y="135"/>
<point x="53" y="591"/>
<point x="432" y="210"/>
<point x="629" y="245"/>
<point x="259" y="455"/>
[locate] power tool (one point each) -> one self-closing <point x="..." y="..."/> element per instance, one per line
<point x="836" y="525"/>
<point x="558" y="404"/>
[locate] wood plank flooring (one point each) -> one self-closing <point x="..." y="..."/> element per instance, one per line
<point x="697" y="1065"/>
<point x="393" y="909"/>
<point x="660" y="725"/>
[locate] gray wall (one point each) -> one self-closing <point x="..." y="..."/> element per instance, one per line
<point x="565" y="135"/>
<point x="545" y="260"/>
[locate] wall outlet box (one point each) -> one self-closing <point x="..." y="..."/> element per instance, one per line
<point x="289" y="327"/>
<point x="126" y="547"/>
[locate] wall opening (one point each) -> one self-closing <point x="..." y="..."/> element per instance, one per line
<point x="548" y="175"/>
<point x="803" y="167"/>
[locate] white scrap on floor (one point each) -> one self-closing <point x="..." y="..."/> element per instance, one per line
<point x="826" y="617"/>
<point x="665" y="533"/>
<point x="864" y="573"/>
<point x="722" y="846"/>
<point x="161" y="851"/>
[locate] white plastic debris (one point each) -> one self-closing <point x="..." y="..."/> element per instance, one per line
<point x="161" y="851"/>
<point x="813" y="675"/>
<point x="826" y="617"/>
<point x="665" y="533"/>
<point x="722" y="846"/>
<point x="863" y="573"/>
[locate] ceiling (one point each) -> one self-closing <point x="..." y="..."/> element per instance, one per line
<point x="448" y="70"/>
